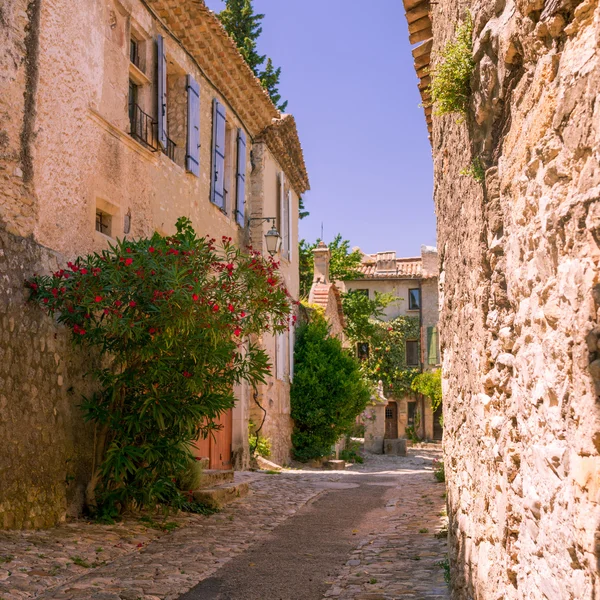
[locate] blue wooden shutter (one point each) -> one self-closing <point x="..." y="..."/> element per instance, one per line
<point x="290" y="225"/>
<point x="240" y="192"/>
<point x="432" y="345"/>
<point x="162" y="92"/>
<point x="218" y="162"/>
<point x="192" y="158"/>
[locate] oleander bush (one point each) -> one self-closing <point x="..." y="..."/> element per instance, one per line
<point x="168" y="314"/>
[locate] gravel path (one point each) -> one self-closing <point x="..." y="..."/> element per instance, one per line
<point x="358" y="534"/>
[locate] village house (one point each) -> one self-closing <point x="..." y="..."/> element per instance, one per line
<point x="414" y="282"/>
<point x="116" y="118"/>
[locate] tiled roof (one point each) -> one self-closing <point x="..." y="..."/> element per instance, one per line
<point x="420" y="30"/>
<point x="385" y="265"/>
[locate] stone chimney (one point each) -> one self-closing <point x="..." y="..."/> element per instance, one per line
<point x="386" y="262"/>
<point x="322" y="256"/>
<point x="429" y="260"/>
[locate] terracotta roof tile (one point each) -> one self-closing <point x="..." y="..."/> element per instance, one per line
<point x="403" y="268"/>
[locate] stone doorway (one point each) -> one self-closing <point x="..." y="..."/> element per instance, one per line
<point x="391" y="421"/>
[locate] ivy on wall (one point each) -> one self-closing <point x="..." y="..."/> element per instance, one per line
<point x="387" y="355"/>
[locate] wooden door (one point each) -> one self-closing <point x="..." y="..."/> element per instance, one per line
<point x="391" y="421"/>
<point x="217" y="446"/>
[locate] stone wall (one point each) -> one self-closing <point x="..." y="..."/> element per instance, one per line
<point x="46" y="449"/>
<point x="519" y="259"/>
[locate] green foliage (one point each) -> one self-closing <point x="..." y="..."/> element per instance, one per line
<point x="362" y="313"/>
<point x="411" y="433"/>
<point x="451" y="80"/>
<point x="430" y="385"/>
<point x="191" y="476"/>
<point x="80" y="562"/>
<point x="258" y="444"/>
<point x="343" y="265"/>
<point x="302" y="212"/>
<point x="168" y="314"/>
<point x="438" y="471"/>
<point x="351" y="453"/>
<point x="476" y="170"/>
<point x="328" y="391"/>
<point x="387" y="355"/>
<point x="445" y="565"/>
<point x="243" y="25"/>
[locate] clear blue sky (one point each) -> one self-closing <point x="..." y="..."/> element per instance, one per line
<point x="348" y="75"/>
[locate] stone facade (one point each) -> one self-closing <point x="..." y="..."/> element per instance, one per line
<point x="384" y="273"/>
<point x="69" y="151"/>
<point x="520" y="257"/>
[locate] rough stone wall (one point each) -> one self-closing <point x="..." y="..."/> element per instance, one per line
<point x="46" y="449"/>
<point x="520" y="286"/>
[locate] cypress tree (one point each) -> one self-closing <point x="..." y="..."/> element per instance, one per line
<point x="243" y="25"/>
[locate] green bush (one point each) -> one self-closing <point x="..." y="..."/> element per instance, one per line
<point x="451" y="79"/>
<point x="168" y="314"/>
<point x="190" y="478"/>
<point x="258" y="444"/>
<point x="352" y="452"/>
<point x="438" y="471"/>
<point x="328" y="391"/>
<point x="430" y="385"/>
<point x="475" y="170"/>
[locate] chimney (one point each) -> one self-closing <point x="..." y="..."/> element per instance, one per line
<point x="386" y="262"/>
<point x="322" y="255"/>
<point x="429" y="261"/>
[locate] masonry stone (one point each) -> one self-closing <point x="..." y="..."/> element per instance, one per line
<point x="519" y="275"/>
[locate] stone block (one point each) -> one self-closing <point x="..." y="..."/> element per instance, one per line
<point x="395" y="447"/>
<point x="374" y="445"/>
<point x="221" y="495"/>
<point x="336" y="465"/>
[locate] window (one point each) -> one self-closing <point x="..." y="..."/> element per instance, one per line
<point x="362" y="350"/>
<point x="414" y="299"/>
<point x="103" y="222"/>
<point x="433" y="352"/>
<point x="134" y="52"/>
<point x="412" y="353"/>
<point x="133" y="100"/>
<point x="228" y="181"/>
<point x="412" y="413"/>
<point x="284" y="218"/>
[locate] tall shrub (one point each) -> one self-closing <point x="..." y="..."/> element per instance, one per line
<point x="169" y="315"/>
<point x="328" y="391"/>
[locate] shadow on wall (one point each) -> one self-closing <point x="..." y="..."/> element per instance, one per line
<point x="46" y="450"/>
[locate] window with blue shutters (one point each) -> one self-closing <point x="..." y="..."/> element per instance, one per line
<point x="240" y="192"/>
<point x="432" y="346"/>
<point x="192" y="158"/>
<point x="162" y="92"/>
<point x="217" y="195"/>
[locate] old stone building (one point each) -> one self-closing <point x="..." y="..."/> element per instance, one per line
<point x="519" y="272"/>
<point x="414" y="282"/>
<point x="116" y="118"/>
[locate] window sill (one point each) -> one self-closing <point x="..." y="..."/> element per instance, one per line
<point x="137" y="75"/>
<point x="415" y="310"/>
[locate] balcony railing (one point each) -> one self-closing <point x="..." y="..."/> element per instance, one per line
<point x="143" y="127"/>
<point x="170" y="149"/>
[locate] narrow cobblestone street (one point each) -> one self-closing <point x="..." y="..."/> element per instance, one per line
<point x="367" y="533"/>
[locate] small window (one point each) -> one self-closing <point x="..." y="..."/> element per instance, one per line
<point x="414" y="299"/>
<point x="362" y="350"/>
<point x="103" y="222"/>
<point x="134" y="52"/>
<point x="389" y="413"/>
<point x="412" y="353"/>
<point x="133" y="100"/>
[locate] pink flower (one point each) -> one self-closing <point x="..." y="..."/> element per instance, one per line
<point x="128" y="261"/>
<point x="195" y="297"/>
<point x="187" y="374"/>
<point x="84" y="271"/>
<point x="215" y="307"/>
<point x="98" y="299"/>
<point x="230" y="308"/>
<point x="45" y="300"/>
<point x="132" y="304"/>
<point x="237" y="331"/>
<point x="151" y="249"/>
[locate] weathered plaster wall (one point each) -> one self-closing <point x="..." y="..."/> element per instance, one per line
<point x="519" y="272"/>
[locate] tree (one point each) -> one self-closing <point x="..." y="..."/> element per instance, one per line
<point x="342" y="266"/>
<point x="363" y="314"/>
<point x="328" y="391"/>
<point x="243" y="25"/>
<point x="430" y="385"/>
<point x="302" y="212"/>
<point x="168" y="314"/>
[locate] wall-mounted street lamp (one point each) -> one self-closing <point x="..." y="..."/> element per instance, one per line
<point x="272" y="237"/>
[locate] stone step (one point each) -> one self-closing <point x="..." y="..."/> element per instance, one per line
<point x="218" y="496"/>
<point x="335" y="465"/>
<point x="214" y="477"/>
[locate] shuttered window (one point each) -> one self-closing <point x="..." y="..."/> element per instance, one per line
<point x="291" y="343"/>
<point x="412" y="353"/>
<point x="218" y="155"/>
<point x="280" y="356"/>
<point x="290" y="228"/>
<point x="162" y="92"/>
<point x="240" y="190"/>
<point x="192" y="158"/>
<point x="432" y="346"/>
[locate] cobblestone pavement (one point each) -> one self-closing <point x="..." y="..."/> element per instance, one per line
<point x="396" y="558"/>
